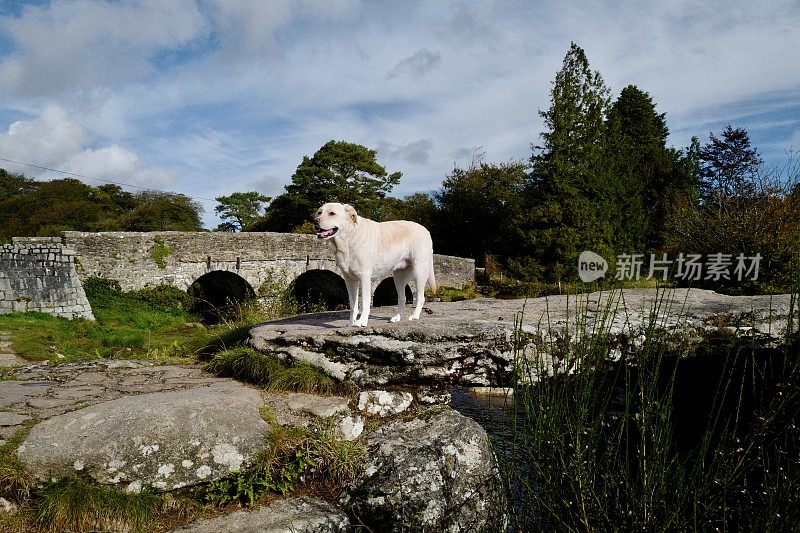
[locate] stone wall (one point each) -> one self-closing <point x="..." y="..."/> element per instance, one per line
<point x="38" y="274"/>
<point x="453" y="271"/>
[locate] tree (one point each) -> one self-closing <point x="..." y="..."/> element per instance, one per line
<point x="14" y="185"/>
<point x="239" y="209"/>
<point x="728" y="166"/>
<point x="49" y="207"/>
<point x="42" y="208"/>
<point x="648" y="176"/>
<point x="338" y="172"/>
<point x="420" y="208"/>
<point x="480" y="209"/>
<point x="163" y="211"/>
<point x="569" y="197"/>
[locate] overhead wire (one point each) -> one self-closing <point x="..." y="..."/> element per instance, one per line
<point x="121" y="184"/>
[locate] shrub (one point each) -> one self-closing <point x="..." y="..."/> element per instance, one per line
<point x="292" y="454"/>
<point x="766" y="222"/>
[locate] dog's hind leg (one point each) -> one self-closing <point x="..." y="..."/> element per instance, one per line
<point x="421" y="273"/>
<point x="401" y="279"/>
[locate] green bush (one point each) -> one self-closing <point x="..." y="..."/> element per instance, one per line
<point x="101" y="288"/>
<point x="164" y="297"/>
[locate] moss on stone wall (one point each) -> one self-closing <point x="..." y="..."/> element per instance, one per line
<point x="160" y="251"/>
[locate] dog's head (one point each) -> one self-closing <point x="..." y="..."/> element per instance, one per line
<point x="333" y="218"/>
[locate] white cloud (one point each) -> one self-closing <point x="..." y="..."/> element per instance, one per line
<point x="79" y="44"/>
<point x="121" y="165"/>
<point x="47" y="140"/>
<point x="415" y="153"/>
<point x="54" y="140"/>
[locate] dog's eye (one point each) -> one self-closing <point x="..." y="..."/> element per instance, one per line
<point x="331" y="213"/>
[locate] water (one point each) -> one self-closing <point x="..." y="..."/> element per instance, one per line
<point x="492" y="413"/>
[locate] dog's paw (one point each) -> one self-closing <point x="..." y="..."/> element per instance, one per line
<point x="413" y="317"/>
<point x="361" y="322"/>
<point x="395" y="318"/>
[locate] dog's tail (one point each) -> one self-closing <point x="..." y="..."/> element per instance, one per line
<point x="432" y="279"/>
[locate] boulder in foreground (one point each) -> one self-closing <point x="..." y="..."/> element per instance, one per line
<point x="165" y="440"/>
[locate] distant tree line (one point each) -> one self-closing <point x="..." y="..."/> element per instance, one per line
<point x="601" y="178"/>
<point x="41" y="208"/>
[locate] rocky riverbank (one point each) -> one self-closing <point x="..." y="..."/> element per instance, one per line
<point x="135" y="425"/>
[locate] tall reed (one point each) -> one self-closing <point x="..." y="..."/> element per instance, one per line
<point x="644" y="438"/>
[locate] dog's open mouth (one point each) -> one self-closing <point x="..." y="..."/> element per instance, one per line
<point x="326" y="233"/>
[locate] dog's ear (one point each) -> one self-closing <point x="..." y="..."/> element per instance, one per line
<point x="351" y="212"/>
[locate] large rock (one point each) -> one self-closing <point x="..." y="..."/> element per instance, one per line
<point x="437" y="474"/>
<point x="42" y="391"/>
<point x="474" y="342"/>
<point x="165" y="440"/>
<point x="300" y="515"/>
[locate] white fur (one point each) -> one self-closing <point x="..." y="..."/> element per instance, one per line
<point x="367" y="250"/>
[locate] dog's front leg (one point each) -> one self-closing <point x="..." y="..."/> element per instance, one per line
<point x="352" y="293"/>
<point x="366" y="297"/>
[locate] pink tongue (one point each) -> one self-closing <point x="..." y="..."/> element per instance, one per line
<point x="324" y="233"/>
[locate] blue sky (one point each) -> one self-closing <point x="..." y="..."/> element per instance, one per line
<point x="208" y="97"/>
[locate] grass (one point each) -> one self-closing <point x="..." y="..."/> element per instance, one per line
<point x="649" y="444"/>
<point x="74" y="505"/>
<point x="15" y="483"/>
<point x="293" y="456"/>
<point x="451" y="294"/>
<point x="154" y="323"/>
<point x="268" y="371"/>
<point x="144" y="324"/>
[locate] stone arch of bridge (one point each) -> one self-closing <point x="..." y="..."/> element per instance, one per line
<point x="218" y="290"/>
<point x="323" y="287"/>
<point x="386" y="294"/>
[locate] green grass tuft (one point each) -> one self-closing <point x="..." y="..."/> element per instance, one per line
<point x="245" y="364"/>
<point x="15" y="482"/>
<point x="293" y="455"/>
<point x="75" y="505"/>
<point x="303" y="377"/>
<point x="268" y="371"/>
<point x="599" y="446"/>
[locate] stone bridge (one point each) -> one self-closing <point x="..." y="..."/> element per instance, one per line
<point x="216" y="266"/>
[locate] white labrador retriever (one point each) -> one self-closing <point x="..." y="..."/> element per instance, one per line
<point x="367" y="250"/>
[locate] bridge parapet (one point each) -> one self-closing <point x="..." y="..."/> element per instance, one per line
<point x="137" y="260"/>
